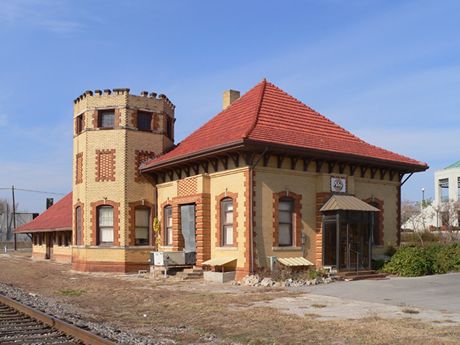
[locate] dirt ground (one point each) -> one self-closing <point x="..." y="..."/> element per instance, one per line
<point x="185" y="312"/>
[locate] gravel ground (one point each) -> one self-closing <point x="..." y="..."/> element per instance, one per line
<point x="69" y="314"/>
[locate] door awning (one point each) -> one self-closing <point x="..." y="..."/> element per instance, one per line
<point x="347" y="203"/>
<point x="219" y="261"/>
<point x="297" y="261"/>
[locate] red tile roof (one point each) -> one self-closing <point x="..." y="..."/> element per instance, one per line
<point x="57" y="217"/>
<point x="268" y="115"/>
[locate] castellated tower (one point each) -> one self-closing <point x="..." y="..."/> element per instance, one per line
<point x="113" y="205"/>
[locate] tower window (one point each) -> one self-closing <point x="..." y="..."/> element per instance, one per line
<point x="144" y="121"/>
<point x="79" y="124"/>
<point x="106" y="119"/>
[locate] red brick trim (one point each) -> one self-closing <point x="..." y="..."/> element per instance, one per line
<point x="202" y="224"/>
<point x="116" y="221"/>
<point x="74" y="232"/>
<point x="162" y="221"/>
<point x="379" y="217"/>
<point x="141" y="157"/>
<point x="155" y="121"/>
<point x="134" y="118"/>
<point x="105" y="165"/>
<point x="248" y="190"/>
<point x="117" y="120"/>
<point x="79" y="168"/>
<point x="76" y="124"/>
<point x="321" y="199"/>
<point x="218" y="228"/>
<point x="297" y="221"/>
<point x="95" y="119"/>
<point x="132" y="220"/>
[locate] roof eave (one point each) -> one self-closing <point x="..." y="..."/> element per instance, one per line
<point x="322" y="154"/>
<point x="28" y="231"/>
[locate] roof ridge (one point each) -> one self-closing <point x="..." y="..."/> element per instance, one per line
<point x="256" y="117"/>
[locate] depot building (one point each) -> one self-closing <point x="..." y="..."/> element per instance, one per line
<point x="268" y="178"/>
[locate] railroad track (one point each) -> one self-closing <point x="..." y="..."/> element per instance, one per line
<point x="20" y="324"/>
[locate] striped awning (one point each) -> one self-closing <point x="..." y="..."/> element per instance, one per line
<point x="297" y="261"/>
<point x="219" y="261"/>
<point x="347" y="203"/>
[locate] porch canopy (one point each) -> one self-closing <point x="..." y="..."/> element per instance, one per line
<point x="347" y="203"/>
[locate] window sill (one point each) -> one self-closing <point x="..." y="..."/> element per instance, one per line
<point x="286" y="249"/>
<point x="229" y="248"/>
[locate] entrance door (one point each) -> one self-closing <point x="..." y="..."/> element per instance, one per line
<point x="346" y="240"/>
<point x="187" y="217"/>
<point x="49" y="245"/>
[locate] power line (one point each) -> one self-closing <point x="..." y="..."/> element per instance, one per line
<point x="33" y="191"/>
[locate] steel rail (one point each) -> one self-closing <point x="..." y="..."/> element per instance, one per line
<point x="60" y="325"/>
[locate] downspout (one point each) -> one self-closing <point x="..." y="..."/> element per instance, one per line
<point x="251" y="211"/>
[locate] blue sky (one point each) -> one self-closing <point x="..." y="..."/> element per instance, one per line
<point x="388" y="71"/>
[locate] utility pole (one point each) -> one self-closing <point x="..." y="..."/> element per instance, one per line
<point x="14" y="219"/>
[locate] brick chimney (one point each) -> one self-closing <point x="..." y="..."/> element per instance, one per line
<point x="230" y="96"/>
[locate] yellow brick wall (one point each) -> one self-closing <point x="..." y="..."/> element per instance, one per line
<point x="125" y="140"/>
<point x="272" y="180"/>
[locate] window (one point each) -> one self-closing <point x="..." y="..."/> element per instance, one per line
<point x="285" y="208"/>
<point x="144" y="121"/>
<point x="142" y="216"/>
<point x="444" y="189"/>
<point x="106" y="119"/>
<point x="59" y="238"/>
<point x="226" y="220"/>
<point x="105" y="224"/>
<point x="168" y="230"/>
<point x="79" y="124"/>
<point x="78" y="226"/>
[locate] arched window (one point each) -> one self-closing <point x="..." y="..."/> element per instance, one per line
<point x="285" y="222"/>
<point x="105" y="225"/>
<point x="167" y="226"/>
<point x="142" y="220"/>
<point x="226" y="222"/>
<point x="78" y="226"/>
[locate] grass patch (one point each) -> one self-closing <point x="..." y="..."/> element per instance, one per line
<point x="72" y="293"/>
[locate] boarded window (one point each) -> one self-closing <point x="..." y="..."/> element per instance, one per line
<point x="105" y="224"/>
<point x="78" y="226"/>
<point x="226" y="206"/>
<point x="144" y="121"/>
<point x="142" y="216"/>
<point x="285" y="209"/>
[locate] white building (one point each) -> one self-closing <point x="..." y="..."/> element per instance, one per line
<point x="445" y="210"/>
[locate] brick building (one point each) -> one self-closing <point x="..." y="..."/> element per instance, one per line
<point x="266" y="177"/>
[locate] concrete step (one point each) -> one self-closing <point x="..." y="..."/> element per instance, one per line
<point x="193" y="270"/>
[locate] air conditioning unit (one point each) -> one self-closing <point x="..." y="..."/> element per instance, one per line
<point x="172" y="258"/>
